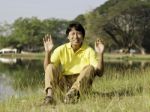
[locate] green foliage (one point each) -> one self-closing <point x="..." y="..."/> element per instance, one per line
<point x="123" y="23"/>
<point x="56" y="28"/>
<point x="81" y="19"/>
<point x="28" y="33"/>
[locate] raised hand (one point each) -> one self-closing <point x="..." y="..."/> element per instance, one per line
<point x="48" y="43"/>
<point x="99" y="46"/>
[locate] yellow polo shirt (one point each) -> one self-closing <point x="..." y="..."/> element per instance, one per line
<point x="73" y="62"/>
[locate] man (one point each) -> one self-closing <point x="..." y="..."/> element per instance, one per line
<point x="72" y="65"/>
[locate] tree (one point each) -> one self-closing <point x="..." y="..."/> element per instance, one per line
<point x="5" y="32"/>
<point x="56" y="28"/>
<point x="129" y="28"/>
<point x="28" y="33"/>
<point x="123" y="23"/>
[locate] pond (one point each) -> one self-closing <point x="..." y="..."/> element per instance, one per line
<point x="17" y="75"/>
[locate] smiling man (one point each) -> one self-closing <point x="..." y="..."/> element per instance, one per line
<point x="72" y="66"/>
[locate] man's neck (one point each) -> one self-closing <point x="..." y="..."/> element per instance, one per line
<point x="76" y="47"/>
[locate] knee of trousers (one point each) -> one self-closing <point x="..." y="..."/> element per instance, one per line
<point x="88" y="71"/>
<point x="89" y="68"/>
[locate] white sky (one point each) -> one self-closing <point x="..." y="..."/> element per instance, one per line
<point x="63" y="9"/>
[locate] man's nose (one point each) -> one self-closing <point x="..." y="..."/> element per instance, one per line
<point x="76" y="35"/>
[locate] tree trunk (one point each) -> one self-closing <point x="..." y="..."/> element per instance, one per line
<point x="142" y="50"/>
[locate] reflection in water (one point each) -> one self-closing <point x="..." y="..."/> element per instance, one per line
<point x="128" y="64"/>
<point x="21" y="75"/>
<point x="6" y="89"/>
<point x="24" y="74"/>
<point x="8" y="60"/>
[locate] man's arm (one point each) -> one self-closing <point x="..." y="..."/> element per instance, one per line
<point x="47" y="59"/>
<point x="48" y="45"/>
<point x="99" y="48"/>
<point x="100" y="66"/>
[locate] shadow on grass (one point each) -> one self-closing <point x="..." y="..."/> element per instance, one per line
<point x="118" y="93"/>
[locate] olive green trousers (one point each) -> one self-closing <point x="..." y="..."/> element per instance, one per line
<point x="81" y="82"/>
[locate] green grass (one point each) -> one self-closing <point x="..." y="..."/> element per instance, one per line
<point x="116" y="91"/>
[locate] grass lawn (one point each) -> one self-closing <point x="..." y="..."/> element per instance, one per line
<point x="116" y="91"/>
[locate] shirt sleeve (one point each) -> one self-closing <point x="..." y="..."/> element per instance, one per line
<point x="93" y="58"/>
<point x="55" y="57"/>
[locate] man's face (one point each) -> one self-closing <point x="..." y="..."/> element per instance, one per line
<point x="75" y="37"/>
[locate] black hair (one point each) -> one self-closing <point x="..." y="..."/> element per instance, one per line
<point x="77" y="27"/>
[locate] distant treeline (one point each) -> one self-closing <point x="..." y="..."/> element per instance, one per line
<point x="122" y="24"/>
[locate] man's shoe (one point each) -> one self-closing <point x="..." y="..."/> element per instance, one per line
<point x="72" y="96"/>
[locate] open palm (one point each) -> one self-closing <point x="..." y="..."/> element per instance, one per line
<point x="48" y="43"/>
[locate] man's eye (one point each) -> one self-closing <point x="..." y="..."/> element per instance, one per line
<point x="79" y="33"/>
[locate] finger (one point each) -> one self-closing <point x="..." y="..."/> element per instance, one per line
<point x="48" y="37"/>
<point x="51" y="38"/>
<point x="44" y="41"/>
<point x="45" y="38"/>
<point x="100" y="41"/>
<point x="97" y="41"/>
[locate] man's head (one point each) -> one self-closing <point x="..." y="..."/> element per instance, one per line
<point x="75" y="33"/>
<point x="77" y="26"/>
